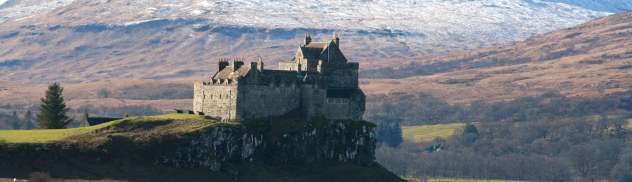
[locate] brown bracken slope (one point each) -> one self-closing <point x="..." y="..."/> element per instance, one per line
<point x="586" y="60"/>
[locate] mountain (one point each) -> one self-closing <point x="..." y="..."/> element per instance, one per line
<point x="586" y="60"/>
<point x="615" y="6"/>
<point x="85" y="41"/>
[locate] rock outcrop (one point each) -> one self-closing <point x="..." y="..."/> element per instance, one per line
<point x="303" y="143"/>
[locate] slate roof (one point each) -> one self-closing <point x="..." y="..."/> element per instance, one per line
<point x="313" y="50"/>
<point x="227" y="73"/>
<point x="91" y="121"/>
<point x="318" y="50"/>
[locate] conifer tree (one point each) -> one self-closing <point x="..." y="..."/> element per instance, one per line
<point x="53" y="111"/>
<point x="15" y="121"/>
<point x="29" y="120"/>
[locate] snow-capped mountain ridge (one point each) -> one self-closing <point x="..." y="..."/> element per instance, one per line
<point x="151" y="33"/>
<point x="480" y="23"/>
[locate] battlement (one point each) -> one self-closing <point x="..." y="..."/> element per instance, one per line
<point x="324" y="65"/>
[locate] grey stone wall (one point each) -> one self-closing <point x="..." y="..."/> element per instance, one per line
<point x="346" y="108"/>
<point x="262" y="101"/>
<point x="340" y="74"/>
<point x="288" y="66"/>
<point x="312" y="102"/>
<point x="216" y="100"/>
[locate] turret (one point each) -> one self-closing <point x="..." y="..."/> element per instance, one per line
<point x="237" y="63"/>
<point x="223" y="63"/>
<point x="308" y="39"/>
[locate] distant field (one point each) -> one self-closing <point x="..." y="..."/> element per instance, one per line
<point x="429" y="132"/>
<point x="456" y="180"/>
<point x="46" y="135"/>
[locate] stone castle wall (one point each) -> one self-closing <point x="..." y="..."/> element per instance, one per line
<point x="262" y="101"/>
<point x="218" y="100"/>
<point x="312" y="101"/>
<point x="340" y="74"/>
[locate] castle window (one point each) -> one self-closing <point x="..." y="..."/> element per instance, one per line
<point x="337" y="101"/>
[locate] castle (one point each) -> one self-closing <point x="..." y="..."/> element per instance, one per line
<point x="318" y="82"/>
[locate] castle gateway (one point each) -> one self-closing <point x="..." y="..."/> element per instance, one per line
<point x="318" y="82"/>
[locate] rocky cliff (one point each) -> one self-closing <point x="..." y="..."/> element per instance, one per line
<point x="303" y="142"/>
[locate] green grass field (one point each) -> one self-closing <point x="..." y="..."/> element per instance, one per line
<point x="429" y="132"/>
<point x="46" y="135"/>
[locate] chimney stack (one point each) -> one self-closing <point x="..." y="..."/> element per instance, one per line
<point x="260" y="65"/>
<point x="223" y="63"/>
<point x="308" y="39"/>
<point x="237" y="63"/>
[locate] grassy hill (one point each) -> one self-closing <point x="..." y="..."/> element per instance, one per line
<point x="134" y="149"/>
<point x="64" y="135"/>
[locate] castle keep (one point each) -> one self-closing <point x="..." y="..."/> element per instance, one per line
<point x="318" y="82"/>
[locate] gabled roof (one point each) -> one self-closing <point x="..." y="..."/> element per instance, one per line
<point x="321" y="45"/>
<point x="95" y="121"/>
<point x="91" y="121"/>
<point x="311" y="53"/>
<point x="319" y="51"/>
<point x="227" y="73"/>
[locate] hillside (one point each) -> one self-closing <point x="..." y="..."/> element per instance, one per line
<point x="91" y="41"/>
<point x="193" y="148"/>
<point x="586" y="60"/>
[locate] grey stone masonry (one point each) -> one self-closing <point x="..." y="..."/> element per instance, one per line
<point x="317" y="82"/>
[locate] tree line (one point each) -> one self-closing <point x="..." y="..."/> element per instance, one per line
<point x="13" y="120"/>
<point x="54" y="113"/>
<point x="548" y="137"/>
<point x="550" y="105"/>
